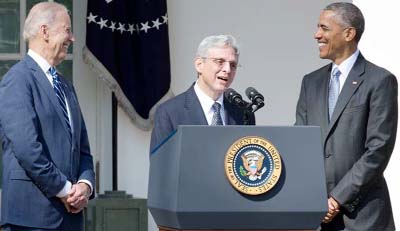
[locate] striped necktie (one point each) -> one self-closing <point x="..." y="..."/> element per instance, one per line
<point x="216" y="119"/>
<point x="334" y="90"/>
<point x="59" y="90"/>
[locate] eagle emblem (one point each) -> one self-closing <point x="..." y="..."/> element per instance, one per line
<point x="252" y="163"/>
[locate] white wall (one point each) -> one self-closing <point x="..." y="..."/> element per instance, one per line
<point x="378" y="46"/>
<point x="277" y="49"/>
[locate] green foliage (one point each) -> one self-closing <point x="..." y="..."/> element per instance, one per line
<point x="242" y="171"/>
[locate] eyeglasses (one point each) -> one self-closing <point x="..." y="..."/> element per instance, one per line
<point x="221" y="62"/>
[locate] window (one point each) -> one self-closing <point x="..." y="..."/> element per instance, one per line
<point x="12" y="46"/>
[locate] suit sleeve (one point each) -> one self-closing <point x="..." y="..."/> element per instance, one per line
<point x="301" y="109"/>
<point x="162" y="127"/>
<point x="20" y="126"/>
<point x="86" y="170"/>
<point x="380" y="140"/>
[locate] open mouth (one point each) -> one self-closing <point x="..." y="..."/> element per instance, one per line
<point x="222" y="78"/>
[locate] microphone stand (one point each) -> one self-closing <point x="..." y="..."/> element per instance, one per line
<point x="249" y="108"/>
<point x="246" y="114"/>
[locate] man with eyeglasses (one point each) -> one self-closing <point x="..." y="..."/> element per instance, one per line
<point x="203" y="103"/>
<point x="355" y="104"/>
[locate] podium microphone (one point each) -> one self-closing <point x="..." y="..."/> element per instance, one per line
<point x="235" y="98"/>
<point x="256" y="98"/>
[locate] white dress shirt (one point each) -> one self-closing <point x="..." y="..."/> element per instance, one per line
<point x="345" y="67"/>
<point x="206" y="103"/>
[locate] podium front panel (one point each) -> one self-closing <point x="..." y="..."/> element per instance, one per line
<point x="188" y="187"/>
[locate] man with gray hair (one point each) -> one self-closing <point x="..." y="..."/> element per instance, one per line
<point x="48" y="174"/>
<point x="203" y="103"/>
<point x="355" y="104"/>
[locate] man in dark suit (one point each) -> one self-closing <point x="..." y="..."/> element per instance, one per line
<point x="203" y="103"/>
<point x="48" y="172"/>
<point x="355" y="103"/>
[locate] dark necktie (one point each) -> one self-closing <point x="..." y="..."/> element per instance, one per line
<point x="216" y="119"/>
<point x="334" y="89"/>
<point x="59" y="90"/>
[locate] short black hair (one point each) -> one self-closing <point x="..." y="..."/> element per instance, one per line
<point x="349" y="15"/>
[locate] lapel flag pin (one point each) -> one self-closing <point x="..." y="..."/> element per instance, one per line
<point x="354" y="82"/>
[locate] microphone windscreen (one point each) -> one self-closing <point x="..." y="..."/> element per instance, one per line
<point x="253" y="94"/>
<point x="231" y="94"/>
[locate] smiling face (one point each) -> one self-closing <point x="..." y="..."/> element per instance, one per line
<point x="59" y="37"/>
<point x="217" y="70"/>
<point x="335" y="41"/>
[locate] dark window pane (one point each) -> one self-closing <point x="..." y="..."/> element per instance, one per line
<point x="5" y="66"/>
<point x="67" y="3"/>
<point x="9" y="26"/>
<point x="65" y="69"/>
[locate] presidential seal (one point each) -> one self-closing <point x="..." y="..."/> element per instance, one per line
<point x="253" y="165"/>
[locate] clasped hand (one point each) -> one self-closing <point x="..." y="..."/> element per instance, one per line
<point x="77" y="198"/>
<point x="333" y="210"/>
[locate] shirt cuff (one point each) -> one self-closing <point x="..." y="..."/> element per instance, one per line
<point x="64" y="192"/>
<point x="88" y="183"/>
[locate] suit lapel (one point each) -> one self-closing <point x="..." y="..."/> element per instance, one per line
<point x="194" y="111"/>
<point x="322" y="101"/>
<point x="350" y="86"/>
<point x="44" y="83"/>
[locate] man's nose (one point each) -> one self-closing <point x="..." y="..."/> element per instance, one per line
<point x="72" y="37"/>
<point x="318" y="34"/>
<point x="226" y="66"/>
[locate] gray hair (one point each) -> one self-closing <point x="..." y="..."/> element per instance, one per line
<point x="43" y="13"/>
<point x="216" y="41"/>
<point x="348" y="15"/>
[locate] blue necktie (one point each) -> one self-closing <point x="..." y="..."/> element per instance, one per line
<point x="59" y="90"/>
<point x="216" y="119"/>
<point x="334" y="90"/>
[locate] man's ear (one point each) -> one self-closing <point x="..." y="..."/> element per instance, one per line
<point x="350" y="34"/>
<point x="44" y="32"/>
<point x="198" y="64"/>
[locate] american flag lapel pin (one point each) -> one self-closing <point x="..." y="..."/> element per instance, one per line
<point x="354" y="82"/>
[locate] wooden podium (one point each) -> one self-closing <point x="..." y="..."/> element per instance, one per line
<point x="189" y="190"/>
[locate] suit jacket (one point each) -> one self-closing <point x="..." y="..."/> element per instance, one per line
<point x="39" y="154"/>
<point x="185" y="109"/>
<point x="357" y="143"/>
